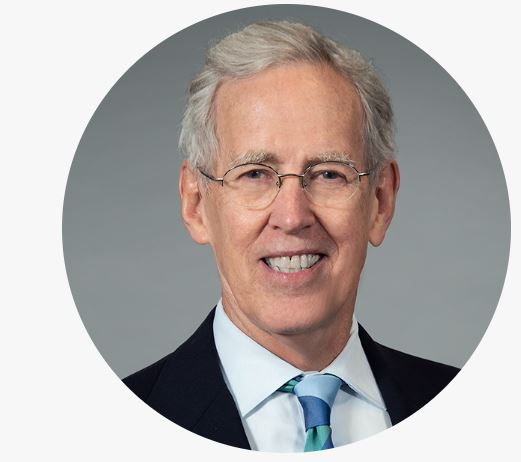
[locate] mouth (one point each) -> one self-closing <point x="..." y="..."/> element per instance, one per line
<point x="293" y="263"/>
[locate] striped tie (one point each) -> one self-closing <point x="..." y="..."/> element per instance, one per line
<point x="316" y="394"/>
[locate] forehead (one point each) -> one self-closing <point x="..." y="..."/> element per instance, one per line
<point x="294" y="112"/>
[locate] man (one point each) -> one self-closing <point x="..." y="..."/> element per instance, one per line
<point x="290" y="173"/>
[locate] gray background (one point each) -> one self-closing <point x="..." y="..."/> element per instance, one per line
<point x="142" y="286"/>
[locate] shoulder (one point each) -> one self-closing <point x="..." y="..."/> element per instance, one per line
<point x="433" y="374"/>
<point x="188" y="388"/>
<point x="142" y="382"/>
<point x="399" y="362"/>
<point x="419" y="380"/>
<point x="407" y="382"/>
<point x="194" y="357"/>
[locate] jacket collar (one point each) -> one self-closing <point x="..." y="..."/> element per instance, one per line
<point x="205" y="406"/>
<point x="393" y="391"/>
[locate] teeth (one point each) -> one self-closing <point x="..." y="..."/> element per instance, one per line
<point x="292" y="264"/>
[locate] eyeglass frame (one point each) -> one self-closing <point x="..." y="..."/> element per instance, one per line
<point x="281" y="176"/>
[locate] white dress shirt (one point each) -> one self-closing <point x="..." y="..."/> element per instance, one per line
<point x="273" y="420"/>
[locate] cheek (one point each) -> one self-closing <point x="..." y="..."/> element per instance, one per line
<point x="350" y="233"/>
<point x="233" y="231"/>
<point x="219" y="216"/>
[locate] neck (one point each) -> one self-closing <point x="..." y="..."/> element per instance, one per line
<point x="309" y="350"/>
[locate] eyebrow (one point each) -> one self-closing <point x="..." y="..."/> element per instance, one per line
<point x="332" y="156"/>
<point x="255" y="157"/>
<point x="270" y="158"/>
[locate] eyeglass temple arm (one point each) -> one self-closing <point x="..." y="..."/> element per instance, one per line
<point x="367" y="172"/>
<point x="210" y="177"/>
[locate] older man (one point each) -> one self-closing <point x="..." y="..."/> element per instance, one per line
<point x="290" y="173"/>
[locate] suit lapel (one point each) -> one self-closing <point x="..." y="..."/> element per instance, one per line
<point x="387" y="379"/>
<point x="188" y="387"/>
<point x="191" y="391"/>
<point x="221" y="422"/>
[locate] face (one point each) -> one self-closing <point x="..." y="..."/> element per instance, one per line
<point x="297" y="114"/>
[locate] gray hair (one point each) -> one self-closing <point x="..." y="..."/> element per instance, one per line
<point x="268" y="44"/>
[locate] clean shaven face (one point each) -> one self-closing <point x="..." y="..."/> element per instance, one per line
<point x="290" y="268"/>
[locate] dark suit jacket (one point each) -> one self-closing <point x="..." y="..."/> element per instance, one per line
<point x="188" y="388"/>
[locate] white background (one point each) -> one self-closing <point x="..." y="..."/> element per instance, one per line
<point x="59" y="399"/>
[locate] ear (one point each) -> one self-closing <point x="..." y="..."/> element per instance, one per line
<point x="384" y="200"/>
<point x="191" y="205"/>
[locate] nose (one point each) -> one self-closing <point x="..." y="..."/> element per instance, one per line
<point x="291" y="211"/>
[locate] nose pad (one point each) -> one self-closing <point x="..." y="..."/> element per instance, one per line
<point x="301" y="181"/>
<point x="279" y="183"/>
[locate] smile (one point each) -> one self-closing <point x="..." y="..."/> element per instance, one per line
<point x="292" y="264"/>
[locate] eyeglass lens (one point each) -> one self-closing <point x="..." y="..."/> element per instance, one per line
<point x="327" y="184"/>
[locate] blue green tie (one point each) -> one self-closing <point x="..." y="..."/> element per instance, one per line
<point x="316" y="394"/>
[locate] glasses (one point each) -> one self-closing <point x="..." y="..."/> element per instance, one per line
<point x="327" y="184"/>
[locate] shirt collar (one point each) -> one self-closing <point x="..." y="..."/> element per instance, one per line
<point x="352" y="367"/>
<point x="253" y="373"/>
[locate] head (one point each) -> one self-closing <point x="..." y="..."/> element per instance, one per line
<point x="282" y="94"/>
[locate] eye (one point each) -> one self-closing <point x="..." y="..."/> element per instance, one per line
<point x="331" y="175"/>
<point x="252" y="174"/>
<point x="255" y="174"/>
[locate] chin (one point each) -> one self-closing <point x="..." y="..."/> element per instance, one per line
<point x="293" y="324"/>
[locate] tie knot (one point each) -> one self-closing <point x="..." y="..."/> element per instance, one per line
<point x="316" y="394"/>
<point x="321" y="386"/>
